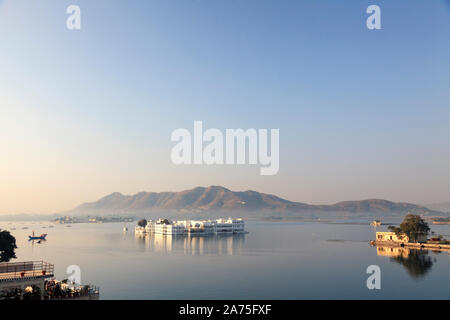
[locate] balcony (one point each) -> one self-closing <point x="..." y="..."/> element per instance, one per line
<point x="25" y="270"/>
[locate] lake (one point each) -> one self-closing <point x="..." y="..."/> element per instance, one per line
<point x="275" y="260"/>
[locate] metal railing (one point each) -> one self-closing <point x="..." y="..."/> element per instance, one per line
<point x="28" y="269"/>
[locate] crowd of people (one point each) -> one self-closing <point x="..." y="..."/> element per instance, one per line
<point x="53" y="289"/>
<point x="62" y="290"/>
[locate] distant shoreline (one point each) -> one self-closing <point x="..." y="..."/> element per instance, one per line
<point x="360" y="220"/>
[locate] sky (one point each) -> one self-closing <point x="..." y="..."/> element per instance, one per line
<point x="362" y="113"/>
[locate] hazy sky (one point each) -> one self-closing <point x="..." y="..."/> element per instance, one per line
<point x="362" y="113"/>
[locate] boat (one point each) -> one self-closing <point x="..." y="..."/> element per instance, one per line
<point x="41" y="237"/>
<point x="125" y="229"/>
<point x="375" y="223"/>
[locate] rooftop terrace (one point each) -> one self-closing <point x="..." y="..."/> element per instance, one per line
<point x="25" y="270"/>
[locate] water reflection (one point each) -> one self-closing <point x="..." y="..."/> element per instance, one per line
<point x="40" y="241"/>
<point x="417" y="262"/>
<point x="220" y="244"/>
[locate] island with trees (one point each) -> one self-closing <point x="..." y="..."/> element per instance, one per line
<point x="412" y="232"/>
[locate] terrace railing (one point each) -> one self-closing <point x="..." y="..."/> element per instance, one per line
<point x="28" y="269"/>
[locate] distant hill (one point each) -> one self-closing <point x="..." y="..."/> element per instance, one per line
<point x="219" y="200"/>
<point x="442" y="206"/>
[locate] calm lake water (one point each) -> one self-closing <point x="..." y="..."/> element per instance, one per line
<point x="275" y="260"/>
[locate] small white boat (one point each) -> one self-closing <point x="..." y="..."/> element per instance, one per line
<point x="375" y="223"/>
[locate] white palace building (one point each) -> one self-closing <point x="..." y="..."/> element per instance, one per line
<point x="164" y="226"/>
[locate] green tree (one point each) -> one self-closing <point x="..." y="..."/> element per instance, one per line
<point x="165" y="221"/>
<point x="142" y="223"/>
<point x="397" y="230"/>
<point x="7" y="246"/>
<point x="413" y="226"/>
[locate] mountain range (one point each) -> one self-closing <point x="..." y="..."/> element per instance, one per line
<point x="217" y="200"/>
<point x="441" y="206"/>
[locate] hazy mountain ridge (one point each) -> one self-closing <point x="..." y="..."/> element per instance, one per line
<point x="441" y="206"/>
<point x="216" y="199"/>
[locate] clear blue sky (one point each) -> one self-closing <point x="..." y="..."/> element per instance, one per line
<point x="361" y="113"/>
